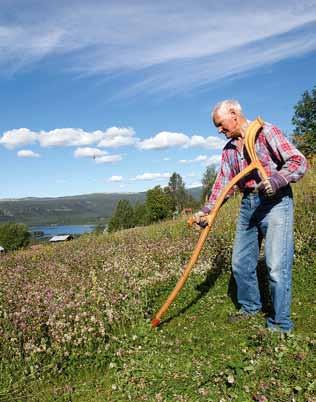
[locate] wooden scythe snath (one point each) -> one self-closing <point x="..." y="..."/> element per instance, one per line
<point x="250" y="139"/>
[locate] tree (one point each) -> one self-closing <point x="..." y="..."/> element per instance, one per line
<point x="304" y="121"/>
<point x="158" y="204"/>
<point x="208" y="180"/>
<point x="191" y="202"/>
<point x="123" y="217"/>
<point x="140" y="214"/>
<point x="176" y="188"/>
<point x="14" y="236"/>
<point x="99" y="229"/>
<point x="114" y="224"/>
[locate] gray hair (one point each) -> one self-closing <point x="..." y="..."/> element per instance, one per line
<point x="226" y="105"/>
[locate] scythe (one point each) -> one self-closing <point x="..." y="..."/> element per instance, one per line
<point x="250" y="139"/>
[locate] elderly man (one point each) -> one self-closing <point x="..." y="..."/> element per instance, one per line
<point x="266" y="212"/>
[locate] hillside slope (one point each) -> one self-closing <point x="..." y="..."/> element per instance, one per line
<point x="75" y="319"/>
<point x="79" y="209"/>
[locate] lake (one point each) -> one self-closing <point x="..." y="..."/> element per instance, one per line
<point x="54" y="230"/>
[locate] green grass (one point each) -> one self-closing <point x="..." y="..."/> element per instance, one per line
<point x="195" y="355"/>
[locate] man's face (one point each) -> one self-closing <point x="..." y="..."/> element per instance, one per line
<point x="227" y="123"/>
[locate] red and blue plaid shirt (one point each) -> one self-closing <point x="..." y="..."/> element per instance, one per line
<point x="276" y="154"/>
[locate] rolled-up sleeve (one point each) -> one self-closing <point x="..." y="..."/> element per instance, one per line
<point x="294" y="164"/>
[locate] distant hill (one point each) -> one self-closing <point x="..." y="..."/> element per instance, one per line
<point x="79" y="209"/>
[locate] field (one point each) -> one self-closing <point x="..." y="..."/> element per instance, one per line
<point x="75" y="319"/>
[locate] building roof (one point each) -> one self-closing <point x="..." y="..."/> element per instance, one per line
<point x="61" y="238"/>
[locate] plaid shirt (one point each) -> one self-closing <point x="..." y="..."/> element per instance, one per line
<point x="276" y="154"/>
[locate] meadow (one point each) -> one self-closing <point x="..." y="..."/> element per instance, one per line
<point x="75" y="318"/>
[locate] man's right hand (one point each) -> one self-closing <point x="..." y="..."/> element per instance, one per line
<point x="200" y="219"/>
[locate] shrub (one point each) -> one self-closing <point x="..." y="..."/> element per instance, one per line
<point x="14" y="236"/>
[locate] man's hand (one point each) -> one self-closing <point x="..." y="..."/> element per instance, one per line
<point x="271" y="185"/>
<point x="200" y="219"/>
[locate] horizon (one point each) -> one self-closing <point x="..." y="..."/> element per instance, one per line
<point x="83" y="194"/>
<point x="113" y="98"/>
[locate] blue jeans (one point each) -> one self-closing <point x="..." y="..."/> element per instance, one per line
<point x="271" y="219"/>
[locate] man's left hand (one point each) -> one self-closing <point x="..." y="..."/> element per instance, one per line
<point x="271" y="185"/>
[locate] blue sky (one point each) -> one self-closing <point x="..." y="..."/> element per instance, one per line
<point x="114" y="96"/>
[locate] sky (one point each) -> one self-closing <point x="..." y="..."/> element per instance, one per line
<point x="115" y="96"/>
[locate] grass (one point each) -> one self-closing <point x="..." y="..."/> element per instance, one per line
<point x="117" y="283"/>
<point x="196" y="356"/>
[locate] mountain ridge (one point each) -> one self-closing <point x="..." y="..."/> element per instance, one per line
<point x="77" y="209"/>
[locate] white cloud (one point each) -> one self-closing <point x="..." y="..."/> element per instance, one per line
<point x="200" y="158"/>
<point x="180" y="56"/>
<point x="65" y="137"/>
<point x="197" y="141"/>
<point x="164" y="140"/>
<point x="87" y="152"/>
<point x="167" y="139"/>
<point x="117" y="137"/>
<point x="113" y="137"/>
<point x="27" y="43"/>
<point x="152" y="176"/>
<point x="26" y="153"/>
<point x="18" y="138"/>
<point x="108" y="159"/>
<point x="116" y="178"/>
<point x="208" y="142"/>
<point x="212" y="160"/>
<point x="71" y="137"/>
